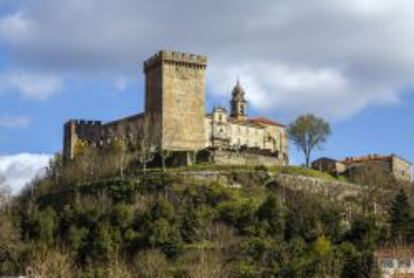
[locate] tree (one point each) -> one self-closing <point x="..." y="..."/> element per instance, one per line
<point x="55" y="168"/>
<point x="143" y="147"/>
<point x="5" y="192"/>
<point x="271" y="215"/>
<point x="400" y="217"/>
<point x="150" y="263"/>
<point x="309" y="132"/>
<point x="120" y="154"/>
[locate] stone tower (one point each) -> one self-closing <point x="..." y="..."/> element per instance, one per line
<point x="238" y="103"/>
<point x="174" y="100"/>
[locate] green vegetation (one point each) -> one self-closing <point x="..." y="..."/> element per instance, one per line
<point x="161" y="225"/>
<point x="293" y="170"/>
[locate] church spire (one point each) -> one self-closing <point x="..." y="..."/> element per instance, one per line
<point x="238" y="102"/>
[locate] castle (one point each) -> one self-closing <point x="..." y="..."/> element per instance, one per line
<point x="175" y="120"/>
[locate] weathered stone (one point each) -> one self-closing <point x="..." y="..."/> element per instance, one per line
<point x="175" y="118"/>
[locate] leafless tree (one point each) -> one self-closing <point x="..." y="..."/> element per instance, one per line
<point x="121" y="154"/>
<point x="150" y="263"/>
<point x="143" y="147"/>
<point x="5" y="193"/>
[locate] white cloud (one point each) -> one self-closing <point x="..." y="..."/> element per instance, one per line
<point x="337" y="57"/>
<point x="19" y="169"/>
<point x="120" y="84"/>
<point x="8" y="121"/>
<point x="15" y="27"/>
<point x="30" y="85"/>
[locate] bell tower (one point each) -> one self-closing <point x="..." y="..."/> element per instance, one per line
<point x="238" y="103"/>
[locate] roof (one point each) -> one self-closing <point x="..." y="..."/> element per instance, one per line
<point x="371" y="157"/>
<point x="325" y="159"/>
<point x="265" y="121"/>
<point x="245" y="123"/>
<point x="397" y="251"/>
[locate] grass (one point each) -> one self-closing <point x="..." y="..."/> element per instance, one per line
<point x="291" y="170"/>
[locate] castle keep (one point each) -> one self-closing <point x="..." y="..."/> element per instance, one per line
<point x="175" y="119"/>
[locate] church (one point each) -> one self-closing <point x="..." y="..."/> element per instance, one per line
<point x="175" y="120"/>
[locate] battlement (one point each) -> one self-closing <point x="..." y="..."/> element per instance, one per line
<point x="176" y="58"/>
<point x="87" y="123"/>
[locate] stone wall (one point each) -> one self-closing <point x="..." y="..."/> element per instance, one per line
<point x="79" y="129"/>
<point x="401" y="168"/>
<point x="335" y="190"/>
<point x="175" y="89"/>
<point x="244" y="158"/>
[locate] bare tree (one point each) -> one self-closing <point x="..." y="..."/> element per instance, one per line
<point x="150" y="263"/>
<point x="143" y="147"/>
<point x="5" y="193"/>
<point x="168" y="134"/>
<point x="84" y="165"/>
<point x="120" y="154"/>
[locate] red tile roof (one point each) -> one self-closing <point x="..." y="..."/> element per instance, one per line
<point x="265" y="121"/>
<point x="395" y="252"/>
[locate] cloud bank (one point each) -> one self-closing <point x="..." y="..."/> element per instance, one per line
<point x="8" y="121"/>
<point x="333" y="57"/>
<point x="19" y="169"/>
<point x="31" y="85"/>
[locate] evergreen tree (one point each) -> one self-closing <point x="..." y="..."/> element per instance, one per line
<point x="400" y="216"/>
<point x="271" y="215"/>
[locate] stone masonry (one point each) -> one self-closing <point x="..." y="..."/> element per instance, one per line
<point x="175" y="118"/>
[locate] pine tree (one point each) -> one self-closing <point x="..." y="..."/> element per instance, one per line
<point x="271" y="215"/>
<point x="400" y="216"/>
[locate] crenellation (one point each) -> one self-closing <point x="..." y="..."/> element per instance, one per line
<point x="177" y="59"/>
<point x="175" y="119"/>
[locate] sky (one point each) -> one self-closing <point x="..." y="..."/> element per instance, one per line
<point x="348" y="61"/>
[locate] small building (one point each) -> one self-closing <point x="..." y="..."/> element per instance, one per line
<point x="398" y="167"/>
<point x="329" y="165"/>
<point x="397" y="261"/>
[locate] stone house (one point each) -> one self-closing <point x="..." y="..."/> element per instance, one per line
<point x="329" y="165"/>
<point x="397" y="261"/>
<point x="398" y="167"/>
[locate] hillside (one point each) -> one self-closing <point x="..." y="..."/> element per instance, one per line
<point x="192" y="222"/>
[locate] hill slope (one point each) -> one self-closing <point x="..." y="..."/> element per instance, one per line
<point x="185" y="225"/>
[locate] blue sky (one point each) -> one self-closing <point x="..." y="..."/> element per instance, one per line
<point x="350" y="62"/>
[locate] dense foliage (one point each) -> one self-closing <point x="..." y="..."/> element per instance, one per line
<point x="158" y="225"/>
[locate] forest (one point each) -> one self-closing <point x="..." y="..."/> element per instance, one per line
<point x="157" y="224"/>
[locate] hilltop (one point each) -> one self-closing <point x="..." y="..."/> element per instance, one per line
<point x="200" y="221"/>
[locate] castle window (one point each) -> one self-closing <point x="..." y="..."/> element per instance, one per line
<point x="387" y="263"/>
<point x="404" y="263"/>
<point x="220" y="118"/>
